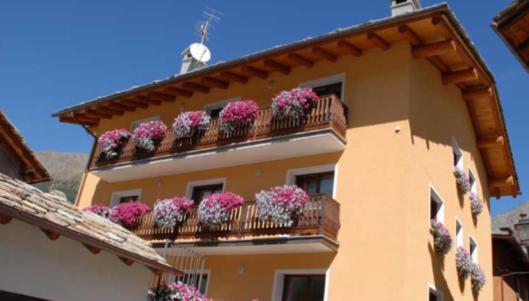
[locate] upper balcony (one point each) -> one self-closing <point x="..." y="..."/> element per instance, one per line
<point x="268" y="139"/>
<point x="316" y="230"/>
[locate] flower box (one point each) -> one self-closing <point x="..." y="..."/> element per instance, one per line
<point x="464" y="263"/>
<point x="281" y="204"/>
<point x="442" y="238"/>
<point x="296" y="103"/>
<point x="112" y="141"/>
<point x="214" y="210"/>
<point x="237" y="115"/>
<point x="187" y="124"/>
<point x="463" y="184"/>
<point x="148" y="134"/>
<point x="476" y="205"/>
<point x="170" y="212"/>
<point x="128" y="214"/>
<point x="477" y="278"/>
<point x="176" y="291"/>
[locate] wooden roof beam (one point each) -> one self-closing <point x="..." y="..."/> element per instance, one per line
<point x="109" y="111"/>
<point x="96" y="114"/>
<point x="136" y="103"/>
<point x="462" y="76"/>
<point x="5" y="219"/>
<point x="86" y="117"/>
<point x="491" y="142"/>
<point x="255" y="72"/>
<point x="161" y="96"/>
<point x="410" y="35"/>
<point x="300" y="60"/>
<point x="326" y="54"/>
<point x="148" y="100"/>
<point x="50" y="234"/>
<point x="274" y="65"/>
<point x="213" y="82"/>
<point x="501" y="182"/>
<point x="126" y="261"/>
<point x="378" y="41"/>
<point x="195" y="87"/>
<point x="352" y="49"/>
<point x="523" y="45"/>
<point x="230" y="76"/>
<point x="483" y="93"/>
<point x="68" y="119"/>
<point x="178" y="92"/>
<point x="92" y="249"/>
<point x="122" y="106"/>
<point x="434" y="49"/>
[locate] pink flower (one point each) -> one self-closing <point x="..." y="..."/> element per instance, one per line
<point x="238" y="113"/>
<point x="128" y="214"/>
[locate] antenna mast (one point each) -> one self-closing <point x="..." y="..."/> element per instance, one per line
<point x="210" y="16"/>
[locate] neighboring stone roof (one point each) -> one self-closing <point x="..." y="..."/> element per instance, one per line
<point x="34" y="171"/>
<point x="55" y="217"/>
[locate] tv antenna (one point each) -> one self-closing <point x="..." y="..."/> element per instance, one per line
<point x="209" y="17"/>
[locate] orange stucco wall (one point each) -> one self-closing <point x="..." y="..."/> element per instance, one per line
<point x="401" y="123"/>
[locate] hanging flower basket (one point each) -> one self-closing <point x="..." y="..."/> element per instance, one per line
<point x="296" y="103"/>
<point x="464" y="263"/>
<point x="477" y="277"/>
<point x="462" y="180"/>
<point x="188" y="124"/>
<point x="98" y="209"/>
<point x="281" y="204"/>
<point x="237" y="115"/>
<point x="128" y="214"/>
<point x="442" y="238"/>
<point x="112" y="141"/>
<point x="476" y="205"/>
<point x="214" y="210"/>
<point x="170" y="212"/>
<point x="176" y="291"/>
<point x="148" y="134"/>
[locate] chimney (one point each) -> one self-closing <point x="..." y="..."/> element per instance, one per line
<point x="400" y="7"/>
<point x="190" y="63"/>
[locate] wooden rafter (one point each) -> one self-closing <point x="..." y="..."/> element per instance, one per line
<point x="109" y="111"/>
<point x="160" y="96"/>
<point x="434" y="49"/>
<point x="213" y="82"/>
<point x="148" y="100"/>
<point x="410" y="35"/>
<point x="95" y="114"/>
<point x="491" y="142"/>
<point x="121" y="106"/>
<point x="376" y="40"/>
<point x="255" y="72"/>
<point x="352" y="49"/>
<point x="5" y="219"/>
<point x="481" y="93"/>
<point x="195" y="87"/>
<point x="178" y="92"/>
<point x="300" y="60"/>
<point x="324" y="53"/>
<point x="501" y="182"/>
<point x="136" y="103"/>
<point x="231" y="76"/>
<point x="462" y="76"/>
<point x="274" y="65"/>
<point x="92" y="249"/>
<point x="126" y="261"/>
<point x="50" y="234"/>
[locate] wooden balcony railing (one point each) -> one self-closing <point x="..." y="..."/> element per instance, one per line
<point x="329" y="112"/>
<point x="320" y="217"/>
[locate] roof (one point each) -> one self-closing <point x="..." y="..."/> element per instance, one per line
<point x="55" y="217"/>
<point x="512" y="25"/>
<point x="434" y="33"/>
<point x="34" y="171"/>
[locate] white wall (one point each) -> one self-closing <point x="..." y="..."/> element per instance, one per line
<point x="64" y="269"/>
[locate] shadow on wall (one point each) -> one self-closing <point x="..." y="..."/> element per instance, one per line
<point x="438" y="265"/>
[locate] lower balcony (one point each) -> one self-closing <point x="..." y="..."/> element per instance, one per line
<point x="267" y="139"/>
<point x="315" y="230"/>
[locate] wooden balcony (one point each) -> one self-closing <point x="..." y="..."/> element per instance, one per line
<point x="326" y="123"/>
<point x="319" y="219"/>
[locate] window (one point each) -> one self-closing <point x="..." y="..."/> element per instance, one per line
<point x="472" y="181"/>
<point x="459" y="234"/>
<point x="303" y="288"/>
<point x="198" y="190"/>
<point x="473" y="250"/>
<point x="317" y="183"/>
<point x="119" y="197"/>
<point x="197" y="279"/>
<point x="434" y="295"/>
<point x="214" y="109"/>
<point x="136" y="123"/>
<point x="328" y="85"/>
<point x="457" y="154"/>
<point x="436" y="206"/>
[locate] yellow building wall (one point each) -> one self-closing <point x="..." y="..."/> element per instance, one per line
<point x="401" y="122"/>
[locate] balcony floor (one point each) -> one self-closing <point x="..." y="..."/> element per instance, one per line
<point x="276" y="148"/>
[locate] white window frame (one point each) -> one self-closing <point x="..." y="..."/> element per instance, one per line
<point x="456" y="149"/>
<point x="219" y="104"/>
<point x="279" y="280"/>
<point x="204" y="272"/>
<point x="441" y="212"/>
<point x="473" y="185"/>
<point x="333" y="79"/>
<point x="473" y="253"/>
<point x="191" y="185"/>
<point x="293" y="173"/>
<point x="438" y="293"/>
<point x="459" y="234"/>
<point x="116" y="195"/>
<point x="134" y="124"/>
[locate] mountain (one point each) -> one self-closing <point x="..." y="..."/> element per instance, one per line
<point x="509" y="218"/>
<point x="66" y="170"/>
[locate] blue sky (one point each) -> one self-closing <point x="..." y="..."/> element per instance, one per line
<point x="58" y="53"/>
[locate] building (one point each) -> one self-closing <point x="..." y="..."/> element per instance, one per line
<point x="510" y="268"/>
<point x="48" y="246"/>
<point x="403" y="101"/>
<point x="512" y="25"/>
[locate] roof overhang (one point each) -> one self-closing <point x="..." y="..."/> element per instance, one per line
<point x="434" y="33"/>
